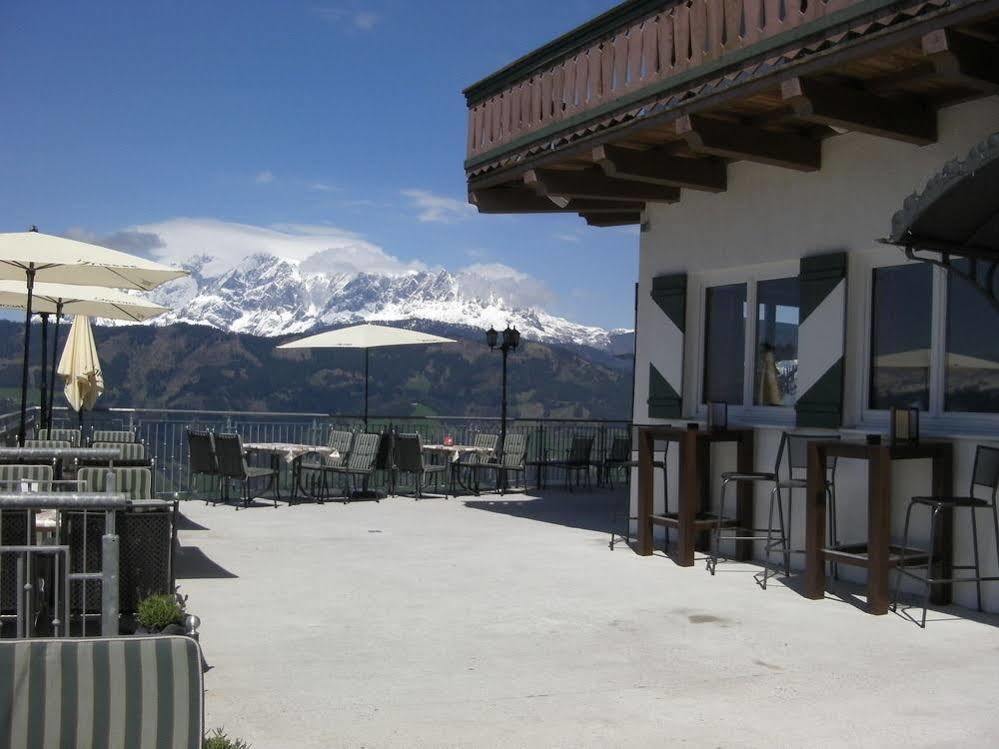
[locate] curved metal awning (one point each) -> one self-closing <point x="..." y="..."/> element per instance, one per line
<point x="957" y="213"/>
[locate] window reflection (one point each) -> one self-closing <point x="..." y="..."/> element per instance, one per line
<point x="777" y="304"/>
<point x="724" y="343"/>
<point x="901" y="313"/>
<point x="972" y="365"/>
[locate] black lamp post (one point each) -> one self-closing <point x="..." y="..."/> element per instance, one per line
<point x="511" y="339"/>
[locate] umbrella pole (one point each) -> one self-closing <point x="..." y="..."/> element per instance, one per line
<point x="30" y="279"/>
<point x="55" y="351"/>
<point x="366" y="353"/>
<point x="43" y="387"/>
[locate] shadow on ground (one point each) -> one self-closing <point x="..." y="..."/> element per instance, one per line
<point x="594" y="510"/>
<point x="192" y="563"/>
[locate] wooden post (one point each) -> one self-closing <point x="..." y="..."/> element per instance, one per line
<point x="815" y="523"/>
<point x="646" y="444"/>
<point x="688" y="496"/>
<point x="879" y="529"/>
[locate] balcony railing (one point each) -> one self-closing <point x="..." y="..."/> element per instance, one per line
<point x="539" y="92"/>
<point x="164" y="433"/>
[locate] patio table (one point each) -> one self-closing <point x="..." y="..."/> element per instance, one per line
<point x="878" y="556"/>
<point x="290" y="454"/>
<point x="691" y="518"/>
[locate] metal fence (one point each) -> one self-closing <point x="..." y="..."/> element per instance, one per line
<point x="164" y="433"/>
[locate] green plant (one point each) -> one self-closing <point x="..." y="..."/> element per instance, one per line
<point x="219" y="739"/>
<point x="159" y="611"/>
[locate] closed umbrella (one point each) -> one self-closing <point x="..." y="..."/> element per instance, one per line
<point x="366" y="337"/>
<point x="32" y="256"/>
<point x="80" y="368"/>
<point x="60" y="299"/>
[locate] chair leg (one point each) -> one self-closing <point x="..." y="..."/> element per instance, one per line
<point x="833" y="533"/>
<point x="716" y="540"/>
<point x="789" y="531"/>
<point x="900" y="567"/>
<point x="769" y="546"/>
<point x="784" y="534"/>
<point x="929" y="564"/>
<point x="974" y="547"/>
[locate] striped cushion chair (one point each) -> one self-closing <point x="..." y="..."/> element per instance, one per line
<point x="72" y="436"/>
<point x="112" y="435"/>
<point x="47" y="443"/>
<point x="127" y="692"/>
<point x="14" y="524"/>
<point x="130" y="452"/>
<point x="137" y="483"/>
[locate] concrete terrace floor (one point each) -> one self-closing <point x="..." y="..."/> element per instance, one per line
<point x="507" y="622"/>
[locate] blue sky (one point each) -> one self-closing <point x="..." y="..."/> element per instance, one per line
<point x="311" y="117"/>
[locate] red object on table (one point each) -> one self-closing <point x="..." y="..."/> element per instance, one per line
<point x="449" y="440"/>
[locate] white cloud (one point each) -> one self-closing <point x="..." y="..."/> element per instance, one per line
<point x="439" y="208"/>
<point x="361" y="20"/>
<point x="321" y="187"/>
<point x="264" y="177"/>
<point x="514" y="287"/>
<point x="567" y="237"/>
<point x="317" y="246"/>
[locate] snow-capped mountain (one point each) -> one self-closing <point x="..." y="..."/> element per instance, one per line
<point x="268" y="296"/>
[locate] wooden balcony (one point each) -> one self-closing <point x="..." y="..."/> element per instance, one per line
<point x="652" y="97"/>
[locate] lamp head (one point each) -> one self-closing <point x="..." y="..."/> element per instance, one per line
<point x="492" y="337"/>
<point x="511" y="338"/>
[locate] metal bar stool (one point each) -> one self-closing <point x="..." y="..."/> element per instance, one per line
<point x="986" y="474"/>
<point x="792" y="451"/>
<point x="619" y="444"/>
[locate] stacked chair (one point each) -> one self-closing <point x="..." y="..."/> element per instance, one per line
<point x="409" y="459"/>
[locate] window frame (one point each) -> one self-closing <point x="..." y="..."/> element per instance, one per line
<point x="936" y="418"/>
<point x="751" y="277"/>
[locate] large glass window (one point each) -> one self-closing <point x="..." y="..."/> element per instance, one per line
<point x="972" y="364"/>
<point x="724" y="343"/>
<point x="777" y="306"/>
<point x="901" y="315"/>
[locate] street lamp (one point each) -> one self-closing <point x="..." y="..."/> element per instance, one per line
<point x="511" y="339"/>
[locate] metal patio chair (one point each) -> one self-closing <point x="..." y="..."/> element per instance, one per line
<point x="314" y="463"/>
<point x="112" y="435"/>
<point x="72" y="436"/>
<point x="16" y="527"/>
<point x="620" y="458"/>
<point x="233" y="467"/>
<point x="361" y="464"/>
<point x="201" y="457"/>
<point x="792" y="455"/>
<point x="467" y="463"/>
<point x="409" y="459"/>
<point x="46" y="444"/>
<point x="984" y="475"/>
<point x="576" y="462"/>
<point x="512" y="460"/>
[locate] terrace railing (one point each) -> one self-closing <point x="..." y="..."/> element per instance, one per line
<point x="602" y="64"/>
<point x="164" y="433"/>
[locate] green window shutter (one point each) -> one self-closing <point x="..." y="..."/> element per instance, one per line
<point x="822" y="340"/>
<point x="666" y="344"/>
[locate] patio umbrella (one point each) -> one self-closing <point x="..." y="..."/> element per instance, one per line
<point x="32" y="256"/>
<point x="80" y="367"/>
<point x="60" y="299"/>
<point x="366" y="337"/>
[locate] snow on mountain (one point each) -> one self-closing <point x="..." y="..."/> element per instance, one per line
<point x="268" y="296"/>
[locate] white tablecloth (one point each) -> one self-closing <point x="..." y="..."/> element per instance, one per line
<point x="289" y="452"/>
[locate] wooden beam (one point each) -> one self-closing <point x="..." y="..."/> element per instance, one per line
<point x="733" y="141"/>
<point x="593" y="184"/>
<point x="498" y="200"/>
<point x="852" y="109"/>
<point x="606" y="220"/>
<point x="657" y="168"/>
<point x="964" y="60"/>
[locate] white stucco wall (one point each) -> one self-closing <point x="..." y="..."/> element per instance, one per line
<point x="768" y="219"/>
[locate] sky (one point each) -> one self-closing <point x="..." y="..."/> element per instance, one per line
<point x="215" y="126"/>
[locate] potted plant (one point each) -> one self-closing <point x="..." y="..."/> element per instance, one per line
<point x="219" y="739"/>
<point x="161" y="614"/>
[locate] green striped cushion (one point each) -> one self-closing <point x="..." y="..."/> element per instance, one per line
<point x="128" y="450"/>
<point x="135" y="482"/>
<point x="137" y="692"/>
<point x="71" y="436"/>
<point x="47" y="443"/>
<point x="12" y="473"/>
<point x="104" y="435"/>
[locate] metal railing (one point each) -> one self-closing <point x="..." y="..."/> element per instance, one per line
<point x="164" y="433"/>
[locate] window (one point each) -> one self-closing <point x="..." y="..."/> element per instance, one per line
<point x="724" y="343"/>
<point x="901" y="329"/>
<point x="971" y="368"/>
<point x="777" y="305"/>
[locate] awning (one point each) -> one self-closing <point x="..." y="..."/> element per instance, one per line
<point x="957" y="213"/>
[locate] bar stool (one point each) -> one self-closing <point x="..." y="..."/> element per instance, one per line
<point x="985" y="473"/>
<point x="792" y="451"/>
<point x="629" y="464"/>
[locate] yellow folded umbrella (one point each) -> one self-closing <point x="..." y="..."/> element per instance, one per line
<point x="80" y="367"/>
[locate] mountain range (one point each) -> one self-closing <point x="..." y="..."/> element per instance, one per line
<point x="264" y="295"/>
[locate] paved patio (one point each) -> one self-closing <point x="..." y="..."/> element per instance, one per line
<point x="508" y="622"/>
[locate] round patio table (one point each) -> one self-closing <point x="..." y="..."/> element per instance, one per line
<point x="453" y="455"/>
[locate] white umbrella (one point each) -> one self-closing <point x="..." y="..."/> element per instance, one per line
<point x="60" y="299"/>
<point x="80" y="367"/>
<point x="32" y="256"/>
<point x="366" y="337"/>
